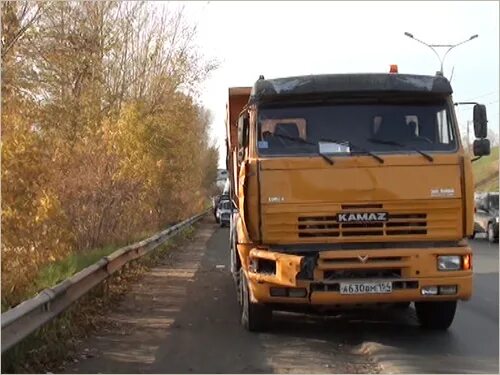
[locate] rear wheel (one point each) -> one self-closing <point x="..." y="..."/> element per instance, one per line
<point x="491" y="233"/>
<point x="255" y="317"/>
<point x="436" y="315"/>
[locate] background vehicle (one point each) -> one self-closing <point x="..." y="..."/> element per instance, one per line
<point x="217" y="200"/>
<point x="221" y="178"/>
<point x="224" y="212"/>
<point x="351" y="189"/>
<point x="486" y="216"/>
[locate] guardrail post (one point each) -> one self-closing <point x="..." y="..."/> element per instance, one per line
<point x="101" y="289"/>
<point x="105" y="291"/>
<point x="50" y="294"/>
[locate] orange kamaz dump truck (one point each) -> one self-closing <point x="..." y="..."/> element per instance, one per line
<point x="350" y="190"/>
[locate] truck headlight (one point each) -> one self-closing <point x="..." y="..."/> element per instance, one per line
<point x="449" y="262"/>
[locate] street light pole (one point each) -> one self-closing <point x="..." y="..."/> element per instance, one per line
<point x="450" y="47"/>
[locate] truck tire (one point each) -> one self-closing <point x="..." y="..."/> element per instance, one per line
<point x="491" y="233"/>
<point x="255" y="317"/>
<point x="437" y="315"/>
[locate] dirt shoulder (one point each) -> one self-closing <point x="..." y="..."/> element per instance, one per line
<point x="182" y="317"/>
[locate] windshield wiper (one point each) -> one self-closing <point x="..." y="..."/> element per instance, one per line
<point x="361" y="149"/>
<point x="300" y="140"/>
<point x="394" y="143"/>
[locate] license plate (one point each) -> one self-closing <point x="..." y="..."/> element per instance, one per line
<point x="366" y="288"/>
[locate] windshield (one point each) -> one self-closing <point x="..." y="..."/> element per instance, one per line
<point x="493" y="201"/>
<point x="336" y="128"/>
<point x="226" y="205"/>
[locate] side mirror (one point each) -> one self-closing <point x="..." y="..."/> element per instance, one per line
<point x="480" y="121"/>
<point x="481" y="147"/>
<point x="243" y="124"/>
<point x="241" y="155"/>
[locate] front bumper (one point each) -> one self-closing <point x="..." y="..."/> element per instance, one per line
<point x="409" y="270"/>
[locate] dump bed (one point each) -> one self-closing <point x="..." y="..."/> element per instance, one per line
<point x="238" y="98"/>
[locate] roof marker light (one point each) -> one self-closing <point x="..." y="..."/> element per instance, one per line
<point x="394" y="68"/>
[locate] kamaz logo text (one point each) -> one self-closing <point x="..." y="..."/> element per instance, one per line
<point x="362" y="217"/>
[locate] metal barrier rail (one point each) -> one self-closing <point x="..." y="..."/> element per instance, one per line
<point x="28" y="316"/>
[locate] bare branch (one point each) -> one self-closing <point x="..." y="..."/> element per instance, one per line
<point x="19" y="34"/>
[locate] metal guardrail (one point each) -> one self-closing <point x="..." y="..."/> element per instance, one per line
<point x="28" y="316"/>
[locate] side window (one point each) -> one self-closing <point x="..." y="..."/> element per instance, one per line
<point x="297" y="127"/>
<point x="445" y="135"/>
<point x="243" y="135"/>
<point x="394" y="126"/>
<point x="243" y="123"/>
<point x="412" y="122"/>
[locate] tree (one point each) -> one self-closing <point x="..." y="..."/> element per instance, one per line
<point x="103" y="138"/>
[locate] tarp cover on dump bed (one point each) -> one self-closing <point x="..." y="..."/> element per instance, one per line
<point x="350" y="83"/>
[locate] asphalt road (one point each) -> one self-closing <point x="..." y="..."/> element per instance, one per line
<point x="182" y="317"/>
<point x="469" y="346"/>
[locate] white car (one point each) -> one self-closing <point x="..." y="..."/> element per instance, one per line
<point x="223" y="213"/>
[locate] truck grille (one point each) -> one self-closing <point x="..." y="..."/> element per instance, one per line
<point x="397" y="224"/>
<point x="317" y="223"/>
<point x="362" y="274"/>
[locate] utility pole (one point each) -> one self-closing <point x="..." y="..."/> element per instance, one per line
<point x="449" y="46"/>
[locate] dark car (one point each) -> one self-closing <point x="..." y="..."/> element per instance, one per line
<point x="486" y="216"/>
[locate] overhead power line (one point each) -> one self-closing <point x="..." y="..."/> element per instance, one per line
<point x="480" y="96"/>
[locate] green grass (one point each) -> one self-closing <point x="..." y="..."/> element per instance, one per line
<point x="483" y="169"/>
<point x="48" y="346"/>
<point x="56" y="272"/>
<point x="53" y="273"/>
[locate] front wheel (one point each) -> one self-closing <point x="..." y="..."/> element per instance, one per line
<point x="255" y="317"/>
<point x="491" y="233"/>
<point x="234" y="258"/>
<point x="436" y="315"/>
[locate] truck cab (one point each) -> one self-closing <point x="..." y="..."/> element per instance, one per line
<point x="352" y="190"/>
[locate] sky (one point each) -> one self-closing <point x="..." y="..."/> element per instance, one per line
<point x="280" y="39"/>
